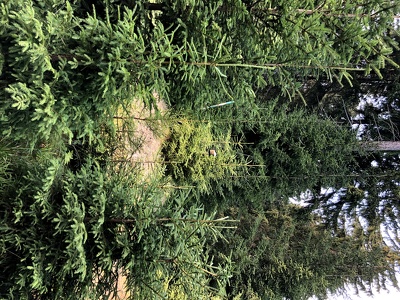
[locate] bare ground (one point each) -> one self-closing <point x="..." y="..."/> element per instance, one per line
<point x="142" y="143"/>
<point x="144" y="155"/>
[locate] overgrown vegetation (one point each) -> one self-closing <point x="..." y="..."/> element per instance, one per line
<point x="197" y="157"/>
<point x="217" y="223"/>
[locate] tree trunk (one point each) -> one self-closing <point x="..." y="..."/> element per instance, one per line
<point x="381" y="146"/>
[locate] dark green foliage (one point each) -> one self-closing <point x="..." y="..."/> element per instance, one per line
<point x="72" y="221"/>
<point x="280" y="153"/>
<point x="371" y="106"/>
<point x="292" y="151"/>
<point x="286" y="253"/>
<point x="253" y="43"/>
<point x="371" y="195"/>
<point x="84" y="228"/>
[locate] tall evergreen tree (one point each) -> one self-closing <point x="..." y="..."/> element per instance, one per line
<point x="291" y="40"/>
<point x="66" y="67"/>
<point x="371" y="107"/>
<point x="71" y="234"/>
<point x="70" y="221"/>
<point x="286" y="253"/>
<point x="285" y="152"/>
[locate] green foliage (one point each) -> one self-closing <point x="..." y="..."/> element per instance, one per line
<point x="72" y="221"/>
<point x="238" y="45"/>
<point x="371" y="192"/>
<point x="64" y="76"/>
<point x="302" y="147"/>
<point x="288" y="152"/>
<point x="372" y="196"/>
<point x="85" y="227"/>
<point x="188" y="157"/>
<point x="286" y="253"/>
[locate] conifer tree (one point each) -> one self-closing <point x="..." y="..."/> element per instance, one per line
<point x="66" y="67"/>
<point x="71" y="221"/>
<point x="71" y="235"/>
<point x="283" y="41"/>
<point x="286" y="253"/>
<point x="288" y="152"/>
<point x="371" y="107"/>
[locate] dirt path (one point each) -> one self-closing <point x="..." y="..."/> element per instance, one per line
<point x="142" y="142"/>
<point x="143" y="154"/>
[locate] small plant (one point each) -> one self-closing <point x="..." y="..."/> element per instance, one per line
<point x="190" y="158"/>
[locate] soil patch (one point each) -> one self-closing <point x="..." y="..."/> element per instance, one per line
<point x="141" y="136"/>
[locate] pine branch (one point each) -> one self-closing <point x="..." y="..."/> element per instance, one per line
<point x="265" y="66"/>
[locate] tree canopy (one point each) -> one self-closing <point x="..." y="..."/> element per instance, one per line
<point x="74" y="220"/>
